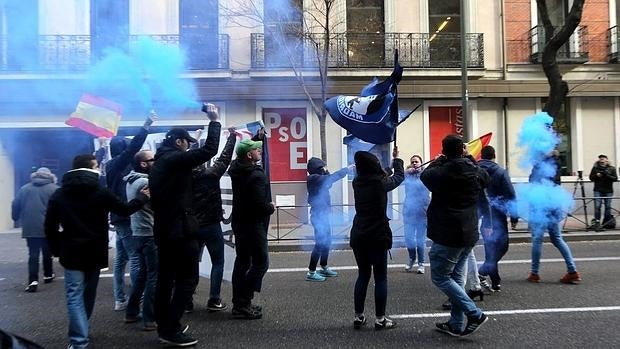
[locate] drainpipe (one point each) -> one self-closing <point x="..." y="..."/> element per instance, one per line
<point x="504" y="76"/>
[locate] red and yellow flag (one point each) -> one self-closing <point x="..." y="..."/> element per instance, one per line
<point x="474" y="147"/>
<point x="96" y="115"/>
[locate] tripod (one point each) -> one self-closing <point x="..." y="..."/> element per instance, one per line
<point x="584" y="203"/>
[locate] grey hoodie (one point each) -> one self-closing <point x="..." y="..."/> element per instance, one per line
<point x="142" y="220"/>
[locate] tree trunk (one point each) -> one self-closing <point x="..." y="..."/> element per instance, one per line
<point x="558" y="88"/>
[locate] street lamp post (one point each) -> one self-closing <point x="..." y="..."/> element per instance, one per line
<point x="464" y="91"/>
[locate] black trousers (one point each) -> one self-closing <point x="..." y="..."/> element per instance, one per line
<point x="178" y="274"/>
<point x="251" y="263"/>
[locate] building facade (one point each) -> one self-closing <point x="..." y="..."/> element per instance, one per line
<point x="47" y="48"/>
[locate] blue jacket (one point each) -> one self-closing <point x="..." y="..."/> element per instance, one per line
<point x="319" y="182"/>
<point x="417" y="196"/>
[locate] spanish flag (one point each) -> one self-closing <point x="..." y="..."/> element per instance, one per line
<point x="474" y="147"/>
<point x="96" y="115"/>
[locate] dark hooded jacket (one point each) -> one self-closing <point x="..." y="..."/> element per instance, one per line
<point x="207" y="194"/>
<point x="251" y="202"/>
<point x="170" y="183"/>
<point x="456" y="185"/>
<point x="30" y="204"/>
<point x="319" y="182"/>
<point x="605" y="183"/>
<point x="119" y="166"/>
<point x="371" y="225"/>
<point x="81" y="206"/>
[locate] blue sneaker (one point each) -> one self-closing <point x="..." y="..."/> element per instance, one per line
<point x="327" y="272"/>
<point x="314" y="276"/>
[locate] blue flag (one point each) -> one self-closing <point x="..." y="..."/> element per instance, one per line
<point x="373" y="116"/>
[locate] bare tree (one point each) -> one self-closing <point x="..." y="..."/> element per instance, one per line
<point x="554" y="40"/>
<point x="317" y="23"/>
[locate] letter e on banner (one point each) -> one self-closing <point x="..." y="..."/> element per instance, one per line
<point x="288" y="148"/>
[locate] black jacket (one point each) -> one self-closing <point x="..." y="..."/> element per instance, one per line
<point x="251" y="202"/>
<point x="605" y="183"/>
<point x="170" y="183"/>
<point x="81" y="206"/>
<point x="456" y="185"/>
<point x="318" y="185"/>
<point x="119" y="166"/>
<point x="371" y="225"/>
<point x="207" y="195"/>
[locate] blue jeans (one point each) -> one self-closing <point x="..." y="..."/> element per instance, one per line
<point x="144" y="267"/>
<point x="36" y="246"/>
<point x="606" y="197"/>
<point x="81" y="291"/>
<point x="211" y="236"/>
<point x="557" y="240"/>
<point x="124" y="251"/>
<point x="495" y="247"/>
<point x="371" y="260"/>
<point x="415" y="238"/>
<point x="322" y="239"/>
<point x="448" y="274"/>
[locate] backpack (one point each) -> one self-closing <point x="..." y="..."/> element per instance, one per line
<point x="609" y="222"/>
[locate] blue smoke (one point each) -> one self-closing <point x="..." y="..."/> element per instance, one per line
<point x="542" y="202"/>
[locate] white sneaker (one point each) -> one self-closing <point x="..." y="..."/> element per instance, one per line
<point x="409" y="266"/>
<point x="120" y="306"/>
<point x="420" y="269"/>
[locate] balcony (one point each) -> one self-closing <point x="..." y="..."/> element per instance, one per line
<point x="613" y="42"/>
<point x="575" y="51"/>
<point x="73" y="53"/>
<point x="366" y="50"/>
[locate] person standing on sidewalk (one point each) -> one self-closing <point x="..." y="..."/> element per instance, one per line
<point x="207" y="205"/>
<point x="501" y="194"/>
<point x="371" y="236"/>
<point x="455" y="183"/>
<point x="417" y="198"/>
<point x="251" y="209"/>
<point x="318" y="183"/>
<point x="116" y="168"/>
<point x="81" y="207"/>
<point x="603" y="175"/>
<point x="175" y="226"/>
<point x="29" y="208"/>
<point x="144" y="261"/>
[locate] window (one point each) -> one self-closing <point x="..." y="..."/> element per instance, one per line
<point x="561" y="124"/>
<point x="109" y="25"/>
<point x="199" y="33"/>
<point x="283" y="32"/>
<point x="366" y="33"/>
<point x="444" y="26"/>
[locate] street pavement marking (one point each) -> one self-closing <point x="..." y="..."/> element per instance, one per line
<point x="513" y="312"/>
<point x="392" y="266"/>
<point x="513" y="261"/>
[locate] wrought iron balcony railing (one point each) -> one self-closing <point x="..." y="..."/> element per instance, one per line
<point x="366" y="50"/>
<point x="74" y="53"/>
<point x="613" y="43"/>
<point x="575" y="51"/>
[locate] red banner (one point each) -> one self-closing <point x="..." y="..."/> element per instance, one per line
<point x="288" y="147"/>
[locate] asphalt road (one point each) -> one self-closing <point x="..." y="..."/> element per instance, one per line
<point x="300" y="314"/>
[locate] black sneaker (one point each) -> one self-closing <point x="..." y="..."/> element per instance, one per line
<point x="496" y="288"/>
<point x="384" y="324"/>
<point x="48" y="279"/>
<point x="216" y="305"/>
<point x="246" y="312"/>
<point x="178" y="340"/>
<point x="473" y="324"/>
<point x="32" y="287"/>
<point x="189" y="308"/>
<point x="444" y="327"/>
<point x="359" y="321"/>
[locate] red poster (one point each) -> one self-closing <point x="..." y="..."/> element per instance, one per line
<point x="288" y="148"/>
<point x="442" y="122"/>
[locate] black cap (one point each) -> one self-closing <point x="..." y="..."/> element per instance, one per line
<point x="179" y="133"/>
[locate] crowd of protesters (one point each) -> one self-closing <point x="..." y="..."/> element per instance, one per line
<point x="166" y="207"/>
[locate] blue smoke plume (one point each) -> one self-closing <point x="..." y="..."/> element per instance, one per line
<point x="541" y="201"/>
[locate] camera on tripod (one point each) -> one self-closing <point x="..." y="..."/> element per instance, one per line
<point x="580" y="174"/>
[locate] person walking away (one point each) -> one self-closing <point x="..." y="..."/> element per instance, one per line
<point x="29" y="208"/>
<point x="175" y="225"/>
<point x="81" y="206"/>
<point x="115" y="169"/>
<point x="207" y="205"/>
<point x="551" y="222"/>
<point x="603" y="175"/>
<point x="251" y="209"/>
<point x="455" y="183"/>
<point x="417" y="198"/>
<point x="145" y="252"/>
<point x="371" y="236"/>
<point x="318" y="183"/>
<point x="501" y="195"/>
